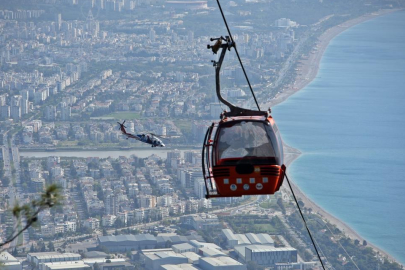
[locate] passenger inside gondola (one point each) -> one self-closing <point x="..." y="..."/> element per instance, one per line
<point x="244" y="142"/>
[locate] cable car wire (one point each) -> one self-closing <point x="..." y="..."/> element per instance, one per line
<point x="305" y="222"/>
<point x="338" y="241"/>
<point x="257" y="104"/>
<point x="237" y="54"/>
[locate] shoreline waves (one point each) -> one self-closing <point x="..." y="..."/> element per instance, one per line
<point x="308" y="71"/>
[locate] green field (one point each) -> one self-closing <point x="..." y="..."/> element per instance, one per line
<point x="267" y="228"/>
<point x="253" y="224"/>
<point x="67" y="143"/>
<point x="184" y="126"/>
<point x="124" y="115"/>
<point x="272" y="203"/>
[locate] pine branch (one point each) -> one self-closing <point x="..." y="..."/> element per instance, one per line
<point x="30" y="211"/>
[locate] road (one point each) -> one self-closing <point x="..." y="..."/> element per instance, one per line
<point x="143" y="226"/>
<point x="295" y="235"/>
<point x="6" y="157"/>
<point x="12" y="170"/>
<point x="17" y="189"/>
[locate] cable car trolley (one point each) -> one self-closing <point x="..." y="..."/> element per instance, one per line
<point x="243" y="152"/>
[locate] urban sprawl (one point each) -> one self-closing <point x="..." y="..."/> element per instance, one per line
<point x="69" y="70"/>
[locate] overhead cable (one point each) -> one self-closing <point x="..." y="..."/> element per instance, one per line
<point x="237" y="54"/>
<point x="305" y="222"/>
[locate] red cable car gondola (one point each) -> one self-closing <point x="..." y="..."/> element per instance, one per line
<point x="243" y="152"/>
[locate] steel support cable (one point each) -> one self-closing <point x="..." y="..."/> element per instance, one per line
<point x="237" y="54"/>
<point x="305" y="222"/>
<point x="326" y="225"/>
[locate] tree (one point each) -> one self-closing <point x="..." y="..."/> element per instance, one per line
<point x="119" y="223"/>
<point x="96" y="266"/>
<point x="5" y="181"/>
<point x="364" y="243"/>
<point x="32" y="248"/>
<point x="281" y="205"/>
<point x="301" y="204"/>
<point x="51" y="246"/>
<point x="29" y="211"/>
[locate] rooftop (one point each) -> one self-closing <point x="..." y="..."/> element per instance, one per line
<point x="66" y="265"/>
<point x="191" y="256"/>
<point x="184" y="246"/>
<point x="210" y="252"/>
<point x="163" y="255"/>
<point x="221" y="261"/>
<point x="184" y="266"/>
<point x="46" y="255"/>
<point x="95" y="254"/>
<point x="241" y="249"/>
<point x="6" y="257"/>
<point x="129" y="237"/>
<point x="229" y="234"/>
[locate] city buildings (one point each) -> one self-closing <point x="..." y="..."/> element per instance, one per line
<point x="221" y="262"/>
<point x="61" y="77"/>
<point x="200" y="221"/>
<point x="9" y="262"/>
<point x="127" y="242"/>
<point x="266" y="255"/>
<point x="41" y="258"/>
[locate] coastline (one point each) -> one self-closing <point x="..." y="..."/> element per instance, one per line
<point x="309" y="67"/>
<point x="308" y="71"/>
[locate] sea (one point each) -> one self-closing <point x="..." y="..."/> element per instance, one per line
<point x="349" y="124"/>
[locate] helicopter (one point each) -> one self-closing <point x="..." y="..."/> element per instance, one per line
<point x="149" y="138"/>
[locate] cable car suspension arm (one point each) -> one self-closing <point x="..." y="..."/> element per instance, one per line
<point x="234" y="110"/>
<point x="218" y="64"/>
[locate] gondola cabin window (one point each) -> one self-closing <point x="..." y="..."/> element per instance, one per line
<point x="244" y="142"/>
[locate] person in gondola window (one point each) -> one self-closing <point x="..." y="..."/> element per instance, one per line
<point x="231" y="142"/>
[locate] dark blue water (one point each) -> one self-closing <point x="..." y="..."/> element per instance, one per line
<point x="350" y="125"/>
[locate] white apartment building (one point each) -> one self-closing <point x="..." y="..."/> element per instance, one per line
<point x="92" y="223"/>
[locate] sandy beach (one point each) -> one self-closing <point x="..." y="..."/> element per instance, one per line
<point x="308" y="70"/>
